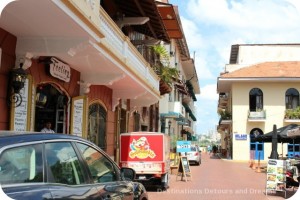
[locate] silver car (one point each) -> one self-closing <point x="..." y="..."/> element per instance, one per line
<point x="194" y="156"/>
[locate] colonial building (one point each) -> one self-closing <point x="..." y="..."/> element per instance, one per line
<point x="88" y="67"/>
<point x="259" y="86"/>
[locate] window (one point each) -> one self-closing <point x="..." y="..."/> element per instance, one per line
<point x="97" y="125"/>
<point x="62" y="164"/>
<point x="101" y="169"/>
<point x="291" y="98"/>
<point x="255" y="99"/>
<point x="21" y="165"/>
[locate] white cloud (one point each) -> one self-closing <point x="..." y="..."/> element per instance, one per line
<point x="209" y="92"/>
<point x="212" y="26"/>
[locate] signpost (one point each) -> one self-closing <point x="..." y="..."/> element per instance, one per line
<point x="184" y="168"/>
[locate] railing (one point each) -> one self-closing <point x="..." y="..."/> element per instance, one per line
<point x="176" y="107"/>
<point x="257" y="115"/>
<point x="121" y="46"/>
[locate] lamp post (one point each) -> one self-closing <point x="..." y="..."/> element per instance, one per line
<point x="169" y="130"/>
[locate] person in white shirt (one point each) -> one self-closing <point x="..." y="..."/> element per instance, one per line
<point x="47" y="128"/>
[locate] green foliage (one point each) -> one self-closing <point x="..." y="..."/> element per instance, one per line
<point x="224" y="114"/>
<point x="162" y="65"/>
<point x="293" y="113"/>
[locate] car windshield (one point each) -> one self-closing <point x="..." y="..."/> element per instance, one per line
<point x="193" y="148"/>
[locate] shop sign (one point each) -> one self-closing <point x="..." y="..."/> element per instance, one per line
<point x="240" y="136"/>
<point x="78" y="117"/>
<point x="276" y="178"/>
<point x="20" y="112"/>
<point x="183" y="146"/>
<point x="60" y="70"/>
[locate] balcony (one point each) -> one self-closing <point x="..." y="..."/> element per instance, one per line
<point x="83" y="35"/>
<point x="175" y="110"/>
<point x="257" y="116"/>
<point x="225" y="117"/>
<point x="223" y="100"/>
<point x="292" y="115"/>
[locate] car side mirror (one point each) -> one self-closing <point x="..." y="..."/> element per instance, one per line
<point x="127" y="173"/>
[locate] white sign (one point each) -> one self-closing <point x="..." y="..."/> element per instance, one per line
<point x="60" y="70"/>
<point x="78" y="117"/>
<point x="20" y="116"/>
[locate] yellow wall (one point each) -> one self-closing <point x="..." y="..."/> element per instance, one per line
<point x="274" y="104"/>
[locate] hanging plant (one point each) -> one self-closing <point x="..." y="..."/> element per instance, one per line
<point x="162" y="65"/>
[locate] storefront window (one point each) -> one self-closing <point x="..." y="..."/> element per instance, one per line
<point x="97" y="125"/>
<point x="50" y="107"/>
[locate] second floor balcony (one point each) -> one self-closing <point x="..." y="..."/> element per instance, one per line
<point x="257" y="116"/>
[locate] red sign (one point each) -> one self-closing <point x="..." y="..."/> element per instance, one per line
<point x="142" y="147"/>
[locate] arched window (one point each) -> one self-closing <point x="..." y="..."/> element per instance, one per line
<point x="255" y="132"/>
<point x="97" y="125"/>
<point x="256" y="99"/>
<point x="291" y="98"/>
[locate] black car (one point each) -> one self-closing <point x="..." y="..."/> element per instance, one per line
<point x="57" y="166"/>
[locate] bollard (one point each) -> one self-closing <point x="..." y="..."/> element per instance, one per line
<point x="253" y="166"/>
<point x="258" y="164"/>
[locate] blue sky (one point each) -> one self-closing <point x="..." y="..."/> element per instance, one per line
<point x="212" y="26"/>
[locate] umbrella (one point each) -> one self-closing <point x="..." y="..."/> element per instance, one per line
<point x="281" y="135"/>
<point x="274" y="153"/>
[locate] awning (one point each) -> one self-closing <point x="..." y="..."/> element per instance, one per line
<point x="171" y="115"/>
<point x="155" y="27"/>
<point x="170" y="18"/>
<point x="188" y="109"/>
<point x="294" y="132"/>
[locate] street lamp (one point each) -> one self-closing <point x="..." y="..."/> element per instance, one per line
<point x="169" y="123"/>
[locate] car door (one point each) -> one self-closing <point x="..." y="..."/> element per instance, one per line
<point x="21" y="173"/>
<point x="66" y="175"/>
<point x="105" y="174"/>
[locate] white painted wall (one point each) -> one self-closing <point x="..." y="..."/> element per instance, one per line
<point x="252" y="54"/>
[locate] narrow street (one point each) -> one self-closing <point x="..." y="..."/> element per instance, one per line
<point x="219" y="179"/>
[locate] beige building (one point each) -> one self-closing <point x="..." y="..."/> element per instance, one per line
<point x="260" y="84"/>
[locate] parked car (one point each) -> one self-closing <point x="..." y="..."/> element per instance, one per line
<point x="58" y="166"/>
<point x="194" y="156"/>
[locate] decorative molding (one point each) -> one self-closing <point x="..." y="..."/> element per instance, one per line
<point x="25" y="59"/>
<point x="132" y="110"/>
<point x="84" y="87"/>
<point x="115" y="103"/>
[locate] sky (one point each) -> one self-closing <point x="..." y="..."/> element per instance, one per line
<point x="212" y="26"/>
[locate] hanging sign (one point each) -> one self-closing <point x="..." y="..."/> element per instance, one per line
<point x="183" y="146"/>
<point x="60" y="70"/>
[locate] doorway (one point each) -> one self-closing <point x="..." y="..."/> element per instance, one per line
<point x="50" y="106"/>
<point x="256" y="148"/>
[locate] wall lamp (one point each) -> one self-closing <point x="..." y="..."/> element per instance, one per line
<point x="16" y="83"/>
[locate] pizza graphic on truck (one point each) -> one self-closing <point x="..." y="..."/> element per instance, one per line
<point x="140" y="148"/>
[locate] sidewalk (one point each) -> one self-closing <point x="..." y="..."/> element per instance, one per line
<point x="220" y="179"/>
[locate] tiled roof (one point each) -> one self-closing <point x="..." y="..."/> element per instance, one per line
<point x="289" y="69"/>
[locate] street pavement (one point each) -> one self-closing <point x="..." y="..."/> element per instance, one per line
<point x="219" y="179"/>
